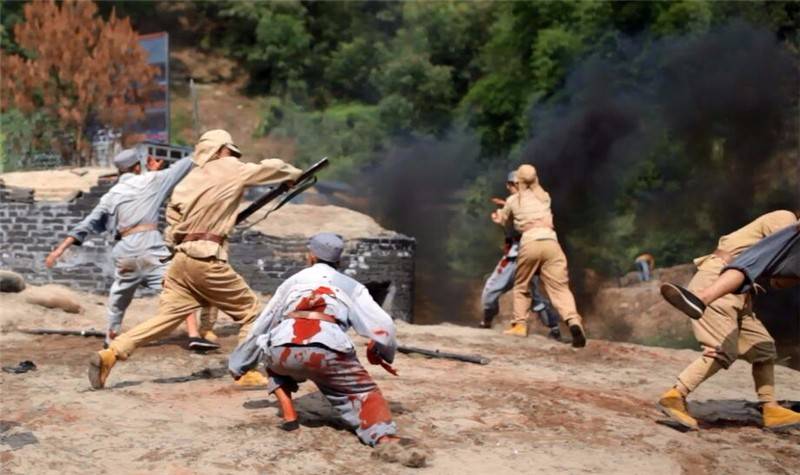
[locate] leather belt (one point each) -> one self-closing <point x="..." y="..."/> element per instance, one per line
<point x="725" y="256"/>
<point x="139" y="228"/>
<point x="539" y="223"/>
<point x="303" y="314"/>
<point x="216" y="238"/>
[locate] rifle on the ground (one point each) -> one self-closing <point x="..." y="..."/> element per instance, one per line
<point x="476" y="359"/>
<point x="304" y="182"/>
<point x="49" y="331"/>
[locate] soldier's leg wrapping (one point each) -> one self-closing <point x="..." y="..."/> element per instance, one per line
<point x="126" y="279"/>
<point x="542" y="306"/>
<point x="500" y="282"/>
<point x="342" y="380"/>
<point x="555" y="279"/>
<point x="717" y="332"/>
<point x="176" y="301"/>
<point x="528" y="262"/>
<point x="208" y="318"/>
<point x="757" y="347"/>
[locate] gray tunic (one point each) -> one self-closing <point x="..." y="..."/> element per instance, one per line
<point x="134" y="200"/>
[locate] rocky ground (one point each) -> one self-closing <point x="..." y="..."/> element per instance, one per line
<point x="538" y="407"/>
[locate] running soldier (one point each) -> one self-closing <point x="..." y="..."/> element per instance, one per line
<point x="502" y="278"/>
<point x="540" y="253"/>
<point x="131" y="208"/>
<point x="199" y="274"/>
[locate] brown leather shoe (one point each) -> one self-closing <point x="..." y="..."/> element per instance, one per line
<point x="780" y="418"/>
<point x="517" y="329"/>
<point x="578" y="336"/>
<point x="252" y="380"/>
<point x="673" y="405"/>
<point x="100" y="365"/>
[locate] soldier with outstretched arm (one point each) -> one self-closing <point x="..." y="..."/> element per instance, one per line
<point x="131" y="208"/>
<point x="539" y="253"/>
<point x="301" y="335"/>
<point x="501" y="279"/>
<point x="199" y="274"/>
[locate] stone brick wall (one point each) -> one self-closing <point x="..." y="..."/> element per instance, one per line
<point x="29" y="231"/>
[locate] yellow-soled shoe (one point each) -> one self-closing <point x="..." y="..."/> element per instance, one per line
<point x="517" y="329"/>
<point x="100" y="365"/>
<point x="252" y="380"/>
<point x="673" y="405"/>
<point x="210" y="336"/>
<point x="780" y="418"/>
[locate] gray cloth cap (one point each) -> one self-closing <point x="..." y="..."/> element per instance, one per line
<point x="126" y="159"/>
<point x="326" y="246"/>
<point x="512" y="177"/>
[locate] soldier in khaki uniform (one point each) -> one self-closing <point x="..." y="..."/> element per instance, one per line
<point x="539" y="253"/>
<point x="199" y="274"/>
<point x="201" y="338"/>
<point x="728" y="329"/>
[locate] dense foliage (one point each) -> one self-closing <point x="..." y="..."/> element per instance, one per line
<point x="357" y="80"/>
<point x="656" y="126"/>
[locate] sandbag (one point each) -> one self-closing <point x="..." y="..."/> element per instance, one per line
<point x="11" y="282"/>
<point x="51" y="296"/>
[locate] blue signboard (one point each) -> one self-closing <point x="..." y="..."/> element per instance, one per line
<point x="155" y="125"/>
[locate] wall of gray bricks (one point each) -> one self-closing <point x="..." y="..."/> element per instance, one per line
<point x="29" y="231"/>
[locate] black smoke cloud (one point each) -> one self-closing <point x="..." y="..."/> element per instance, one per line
<point x="414" y="190"/>
<point x="734" y="88"/>
<point x="731" y="91"/>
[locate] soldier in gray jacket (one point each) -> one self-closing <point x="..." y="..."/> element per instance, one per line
<point x="131" y="210"/>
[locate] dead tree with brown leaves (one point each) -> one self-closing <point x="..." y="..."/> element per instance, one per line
<point x="78" y="69"/>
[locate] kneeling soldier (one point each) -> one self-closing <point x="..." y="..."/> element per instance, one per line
<point x="301" y="335"/>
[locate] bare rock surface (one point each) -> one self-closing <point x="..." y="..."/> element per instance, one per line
<point x="539" y="407"/>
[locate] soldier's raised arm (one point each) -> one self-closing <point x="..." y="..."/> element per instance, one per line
<point x="269" y="171"/>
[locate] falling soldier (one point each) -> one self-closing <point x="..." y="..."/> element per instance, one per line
<point x="539" y="253"/>
<point x="199" y="274"/>
<point x="729" y="330"/>
<point x="131" y="208"/>
<point x="501" y="279"/>
<point x="301" y="335"/>
<point x="774" y="261"/>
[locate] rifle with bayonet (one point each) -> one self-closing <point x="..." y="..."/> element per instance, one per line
<point x="50" y="331"/>
<point x="304" y="182"/>
<point x="476" y="359"/>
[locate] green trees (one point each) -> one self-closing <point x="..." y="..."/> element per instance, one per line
<point x="598" y="95"/>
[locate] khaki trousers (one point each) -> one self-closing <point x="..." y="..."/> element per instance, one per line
<point x="729" y="330"/>
<point x="543" y="257"/>
<point x="191" y="284"/>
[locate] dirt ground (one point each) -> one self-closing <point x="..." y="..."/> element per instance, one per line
<point x="538" y="407"/>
